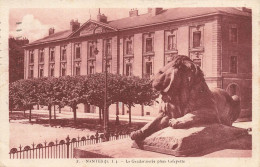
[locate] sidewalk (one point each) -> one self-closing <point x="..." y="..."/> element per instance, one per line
<point x="67" y="114"/>
<point x="242" y="123"/>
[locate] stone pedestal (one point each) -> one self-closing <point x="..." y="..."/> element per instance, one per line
<point x="122" y="149"/>
<point x="115" y="149"/>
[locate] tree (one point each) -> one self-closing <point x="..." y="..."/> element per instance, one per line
<point x="137" y="91"/>
<point x="26" y="93"/>
<point x="72" y="92"/>
<point x="49" y="93"/>
<point x="96" y="89"/>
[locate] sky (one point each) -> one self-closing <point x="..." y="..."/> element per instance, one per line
<point x="34" y="23"/>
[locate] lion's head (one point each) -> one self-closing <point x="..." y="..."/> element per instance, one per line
<point x="181" y="78"/>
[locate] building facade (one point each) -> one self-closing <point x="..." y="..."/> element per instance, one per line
<point x="219" y="40"/>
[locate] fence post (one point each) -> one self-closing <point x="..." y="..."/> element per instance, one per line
<point x="20" y="151"/>
<point x="96" y="137"/>
<point x="68" y="145"/>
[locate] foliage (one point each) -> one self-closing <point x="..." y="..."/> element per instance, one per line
<point x="73" y="90"/>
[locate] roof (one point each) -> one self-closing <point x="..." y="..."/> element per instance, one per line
<point x="171" y="15"/>
<point x="55" y="36"/>
<point x="166" y="15"/>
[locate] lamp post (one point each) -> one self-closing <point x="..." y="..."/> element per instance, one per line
<point x="106" y="134"/>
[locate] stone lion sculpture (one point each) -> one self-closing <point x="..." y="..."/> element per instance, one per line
<point x="187" y="100"/>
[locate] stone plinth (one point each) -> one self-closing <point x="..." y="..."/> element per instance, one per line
<point x="114" y="149"/>
<point x="242" y="147"/>
<point x="190" y="141"/>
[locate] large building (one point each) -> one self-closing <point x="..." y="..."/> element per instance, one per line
<point x="218" y="39"/>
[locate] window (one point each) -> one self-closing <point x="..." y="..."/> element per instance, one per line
<point x="233" y="33"/>
<point x="107" y="44"/>
<point x="129" y="48"/>
<point x="77" y="68"/>
<point x="31" y="72"/>
<point x="40" y="71"/>
<point x="51" y="69"/>
<point x="91" y="66"/>
<point x="52" y="55"/>
<point x="91" y="49"/>
<point x="108" y="67"/>
<point x="149" y="45"/>
<point x="77" y="51"/>
<point x="63" y="69"/>
<point x="63" y="53"/>
<point x="171" y="42"/>
<point x="128" y="69"/>
<point x="31" y="56"/>
<point x="149" y="69"/>
<point x="41" y="56"/>
<point x="196" y="39"/>
<point x="52" y="72"/>
<point x="233" y="64"/>
<point x="91" y="70"/>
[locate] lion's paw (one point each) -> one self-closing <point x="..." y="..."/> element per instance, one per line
<point x="176" y="124"/>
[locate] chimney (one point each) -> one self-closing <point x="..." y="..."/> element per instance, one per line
<point x="154" y="11"/>
<point x="51" y="31"/>
<point x="133" y="12"/>
<point x="101" y="17"/>
<point x="74" y="25"/>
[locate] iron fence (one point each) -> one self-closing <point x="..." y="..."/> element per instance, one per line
<point x="62" y="148"/>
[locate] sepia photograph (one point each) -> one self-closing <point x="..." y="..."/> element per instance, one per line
<point x="132" y="85"/>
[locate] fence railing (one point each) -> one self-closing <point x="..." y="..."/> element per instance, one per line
<point x="62" y="148"/>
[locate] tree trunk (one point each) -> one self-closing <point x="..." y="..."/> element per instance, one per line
<point x="107" y="115"/>
<point x="49" y="107"/>
<point x="142" y="110"/>
<point x="123" y="109"/>
<point x="59" y="109"/>
<point x="100" y="111"/>
<point x="54" y="113"/>
<point x="74" y="114"/>
<point x="129" y="115"/>
<point x="24" y="112"/>
<point x="38" y="107"/>
<point x="30" y="115"/>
